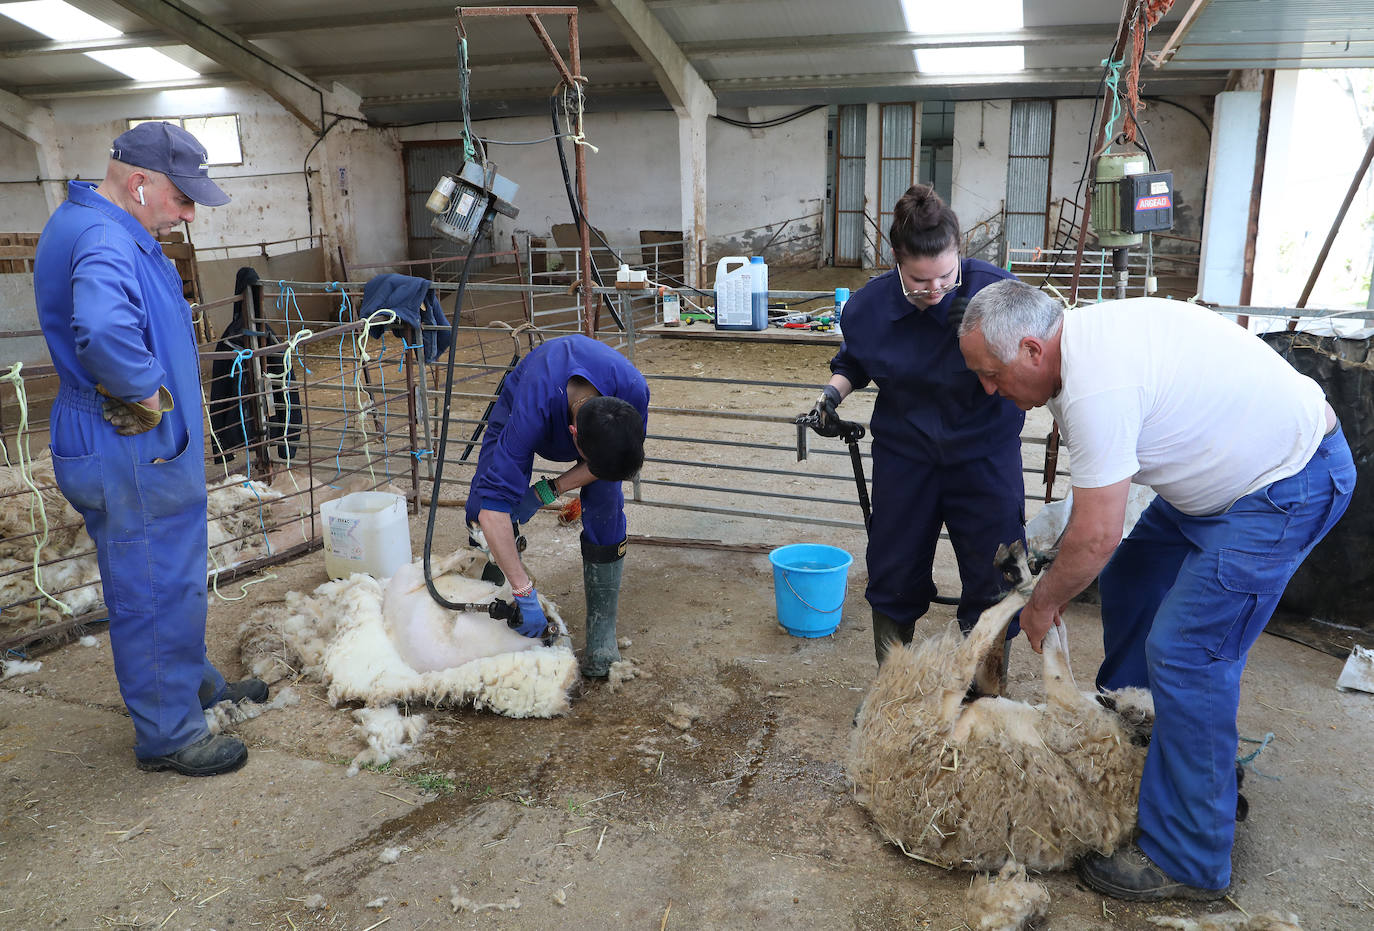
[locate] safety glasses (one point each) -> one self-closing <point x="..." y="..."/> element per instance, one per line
<point x="943" y="285"/>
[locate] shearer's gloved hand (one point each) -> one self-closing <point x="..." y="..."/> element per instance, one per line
<point x="540" y="493"/>
<point x="532" y="620"/>
<point x="827" y="422"/>
<point x="132" y="418"/>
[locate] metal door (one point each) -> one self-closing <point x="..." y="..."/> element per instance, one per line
<point x="1028" y="173"/>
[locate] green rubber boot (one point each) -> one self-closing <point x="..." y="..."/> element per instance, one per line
<point x="886" y="632"/>
<point x="601" y="570"/>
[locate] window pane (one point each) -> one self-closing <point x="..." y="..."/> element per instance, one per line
<point x="219" y="135"/>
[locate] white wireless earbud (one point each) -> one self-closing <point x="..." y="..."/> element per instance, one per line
<point x="141" y="200"/>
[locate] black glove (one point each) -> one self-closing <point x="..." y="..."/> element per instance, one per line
<point x="956" y="313"/>
<point x="823" y="418"/>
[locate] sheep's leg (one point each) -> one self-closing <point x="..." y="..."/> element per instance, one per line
<point x="991" y="677"/>
<point x="990" y="630"/>
<point x="1060" y="688"/>
<point x="442" y="567"/>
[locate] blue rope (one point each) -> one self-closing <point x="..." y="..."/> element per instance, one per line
<point x="1247" y="761"/>
<point x="237" y="371"/>
<point x="261" y="523"/>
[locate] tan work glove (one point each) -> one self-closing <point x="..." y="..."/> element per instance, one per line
<point x="130" y="418"/>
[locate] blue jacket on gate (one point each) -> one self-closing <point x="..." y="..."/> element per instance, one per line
<point x="534" y="405"/>
<point x="930" y="406"/>
<point x="414" y="302"/>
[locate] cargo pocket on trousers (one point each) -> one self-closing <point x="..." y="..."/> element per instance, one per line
<point x="1256" y="582"/>
<point x="80" y="481"/>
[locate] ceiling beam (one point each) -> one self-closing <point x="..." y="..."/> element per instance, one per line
<point x="16" y="113"/>
<point x="294" y="91"/>
<point x="684" y="87"/>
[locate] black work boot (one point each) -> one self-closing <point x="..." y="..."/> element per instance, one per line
<point x="886" y="632"/>
<point x="601" y="570"/>
<point x="243" y="690"/>
<point x="212" y="755"/>
<point x="1130" y="874"/>
<point x="254" y="690"/>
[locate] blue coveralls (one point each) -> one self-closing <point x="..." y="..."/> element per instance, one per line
<point x="111" y="308"/>
<point x="944" y="451"/>
<point x="1183" y="600"/>
<point x="531" y="416"/>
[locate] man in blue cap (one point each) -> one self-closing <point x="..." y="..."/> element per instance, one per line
<point x="127" y="436"/>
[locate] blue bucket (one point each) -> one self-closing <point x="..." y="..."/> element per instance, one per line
<point x="808" y="583"/>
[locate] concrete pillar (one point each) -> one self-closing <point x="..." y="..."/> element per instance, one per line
<point x="691" y="146"/>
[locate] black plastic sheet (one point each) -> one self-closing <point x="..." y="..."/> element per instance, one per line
<point x="1329" y="604"/>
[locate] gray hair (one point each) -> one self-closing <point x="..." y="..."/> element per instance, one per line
<point x="1009" y="311"/>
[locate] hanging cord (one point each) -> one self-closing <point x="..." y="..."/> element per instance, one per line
<point x="1113" y="79"/>
<point x="438" y="458"/>
<point x="286" y="302"/>
<point x="38" y="514"/>
<point x="1248" y="761"/>
<point x="384" y="317"/>
<point x="345" y="315"/>
<point x="288" y="359"/>
<point x="472" y="145"/>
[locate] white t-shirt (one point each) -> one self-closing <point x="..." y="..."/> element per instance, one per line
<point x="1176" y="397"/>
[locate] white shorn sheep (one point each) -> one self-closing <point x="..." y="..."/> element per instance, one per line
<point x="970" y="785"/>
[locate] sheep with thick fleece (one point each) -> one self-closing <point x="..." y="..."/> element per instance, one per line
<point x="970" y="785"/>
<point x="382" y="642"/>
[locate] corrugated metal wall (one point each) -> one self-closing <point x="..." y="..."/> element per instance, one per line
<point x="897" y="165"/>
<point x="1028" y="173"/>
<point x="849" y="185"/>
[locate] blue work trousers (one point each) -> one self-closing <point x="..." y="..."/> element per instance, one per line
<point x="980" y="501"/>
<point x="148" y="523"/>
<point x="1183" y="600"/>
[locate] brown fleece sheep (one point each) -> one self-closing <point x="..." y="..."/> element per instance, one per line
<point x="971" y="785"/>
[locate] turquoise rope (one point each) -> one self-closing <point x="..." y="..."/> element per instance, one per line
<point x="1113" y="77"/>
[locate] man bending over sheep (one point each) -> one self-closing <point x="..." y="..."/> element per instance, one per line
<point x="575" y="400"/>
<point x="128" y="439"/>
<point x="1251" y="469"/>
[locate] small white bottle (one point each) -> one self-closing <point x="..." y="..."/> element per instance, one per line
<point x="841" y="298"/>
<point x="672" y="308"/>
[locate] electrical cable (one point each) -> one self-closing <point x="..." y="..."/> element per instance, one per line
<point x="775" y="121"/>
<point x="576" y="208"/>
<point x="444" y="422"/>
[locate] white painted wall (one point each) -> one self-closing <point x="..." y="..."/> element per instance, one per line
<point x="756" y="179"/>
<point x="268" y="190"/>
<point x="24" y="206"/>
<point x="980" y="174"/>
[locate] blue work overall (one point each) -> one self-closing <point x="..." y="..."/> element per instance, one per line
<point x="944" y="451"/>
<point x="111" y="307"/>
<point x="1183" y="600"/>
<point x="531" y="417"/>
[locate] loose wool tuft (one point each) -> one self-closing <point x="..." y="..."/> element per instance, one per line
<point x="1008" y="901"/>
<point x="379" y="644"/>
<point x="1231" y="921"/>
<point x="221" y="717"/>
<point x="972" y="785"/>
<point x="389" y="735"/>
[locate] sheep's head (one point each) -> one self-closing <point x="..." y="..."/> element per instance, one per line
<point x="1136" y="710"/>
<point x="1010" y="560"/>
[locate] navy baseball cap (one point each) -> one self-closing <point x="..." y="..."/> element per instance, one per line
<point x="168" y="148"/>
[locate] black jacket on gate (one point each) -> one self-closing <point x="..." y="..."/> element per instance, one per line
<point x="234" y="427"/>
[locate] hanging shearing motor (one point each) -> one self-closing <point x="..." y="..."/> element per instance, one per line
<point x="460" y="203"/>
<point x="1128" y="200"/>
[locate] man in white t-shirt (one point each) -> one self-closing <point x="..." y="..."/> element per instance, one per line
<point x="1251" y="470"/>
